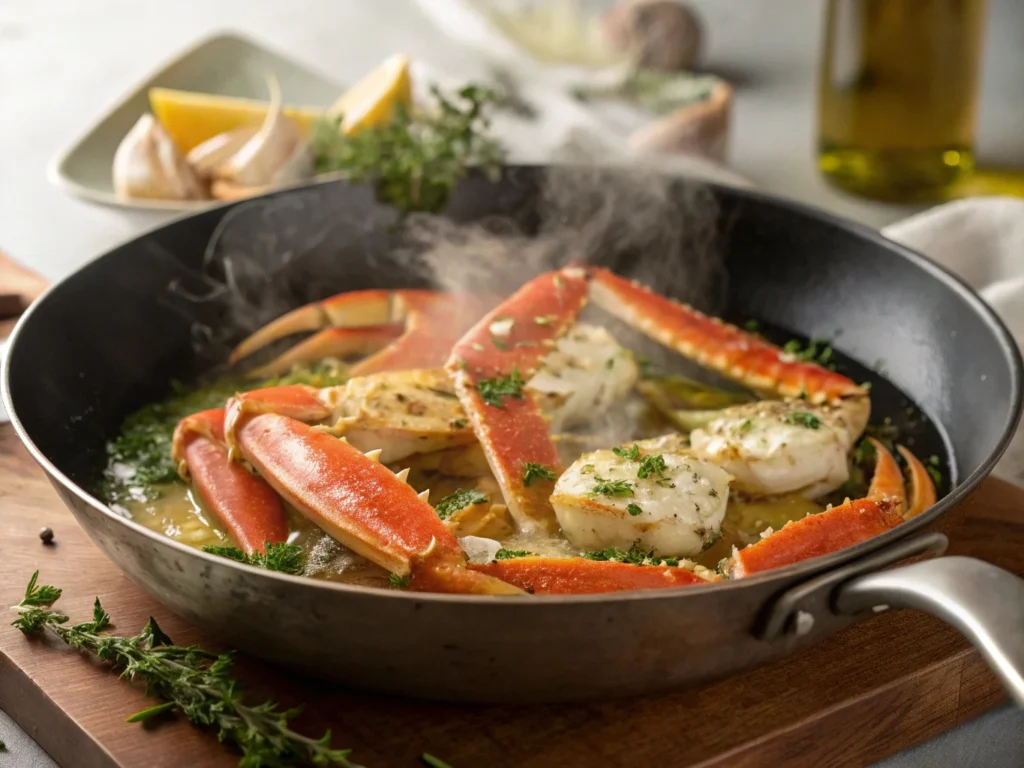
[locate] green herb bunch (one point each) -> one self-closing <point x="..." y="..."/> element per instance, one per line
<point x="416" y="158"/>
<point x="194" y="682"/>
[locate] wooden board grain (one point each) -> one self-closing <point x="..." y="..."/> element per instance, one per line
<point x="881" y="686"/>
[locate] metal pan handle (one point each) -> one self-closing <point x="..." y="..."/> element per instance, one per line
<point x="984" y="602"/>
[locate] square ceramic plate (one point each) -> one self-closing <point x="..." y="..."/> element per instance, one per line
<point x="226" y="65"/>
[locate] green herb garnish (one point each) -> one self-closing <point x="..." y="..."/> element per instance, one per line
<point x="752" y="325"/>
<point x="533" y="472"/>
<point x="633" y="509"/>
<point x="632" y="454"/>
<point x="286" y="558"/>
<point x="803" y="419"/>
<point x="511" y="554"/>
<point x="461" y="499"/>
<point x="433" y="762"/>
<point x="817" y="351"/>
<point x="492" y="390"/>
<point x="414" y="160"/>
<point x="634" y="556"/>
<point x="499" y="343"/>
<point x="196" y="683"/>
<point x="398" y="582"/>
<point x="613" y="488"/>
<point x="652" y="465"/>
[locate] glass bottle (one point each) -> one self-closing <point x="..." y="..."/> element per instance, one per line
<point x="897" y="96"/>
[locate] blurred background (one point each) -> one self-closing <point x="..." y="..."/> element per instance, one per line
<point x="799" y="74"/>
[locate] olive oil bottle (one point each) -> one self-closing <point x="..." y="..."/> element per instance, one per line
<point x="897" y="96"/>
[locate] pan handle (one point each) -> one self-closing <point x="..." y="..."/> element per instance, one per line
<point x="984" y="602"/>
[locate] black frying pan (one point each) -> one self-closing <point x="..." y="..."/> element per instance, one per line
<point x="111" y="336"/>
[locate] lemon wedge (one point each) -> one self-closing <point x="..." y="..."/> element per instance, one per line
<point x="192" y="118"/>
<point x="372" y="100"/>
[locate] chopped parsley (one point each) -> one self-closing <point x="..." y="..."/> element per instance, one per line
<point x="533" y="472"/>
<point x="752" y="325"/>
<point x="461" y="499"/>
<point x="745" y="426"/>
<point x="460" y="424"/>
<point x="587" y="469"/>
<point x="433" y="762"/>
<point x="803" y="419"/>
<point x="613" y="487"/>
<point x="609" y="363"/>
<point x="285" y="558"/>
<point x="934" y="472"/>
<point x="632" y="454"/>
<point x="499" y="343"/>
<point x="511" y="554"/>
<point x="492" y="390"/>
<point x="634" y="556"/>
<point x="443" y="393"/>
<point x="817" y="351"/>
<point x="398" y="582"/>
<point x="633" y="509"/>
<point x="652" y="465"/>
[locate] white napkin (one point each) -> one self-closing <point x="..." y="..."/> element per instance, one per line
<point x="981" y="240"/>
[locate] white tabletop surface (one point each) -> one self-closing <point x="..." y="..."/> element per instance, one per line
<point x="63" y="62"/>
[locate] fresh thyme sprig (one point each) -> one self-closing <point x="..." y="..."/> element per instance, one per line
<point x="194" y="682"/>
<point x="415" y="159"/>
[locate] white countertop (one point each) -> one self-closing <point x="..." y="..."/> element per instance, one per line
<point x="63" y="62"/>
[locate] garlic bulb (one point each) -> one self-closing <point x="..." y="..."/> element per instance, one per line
<point x="149" y="164"/>
<point x="205" y="158"/>
<point x="276" y="154"/>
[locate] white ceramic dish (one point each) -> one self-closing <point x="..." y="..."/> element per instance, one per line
<point x="226" y="64"/>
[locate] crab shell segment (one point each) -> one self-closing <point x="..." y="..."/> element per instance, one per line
<point x="579" y="576"/>
<point x="245" y="505"/>
<point x="359" y="502"/>
<point x="841" y="526"/>
<point x="399" y="329"/>
<point x="489" y="366"/>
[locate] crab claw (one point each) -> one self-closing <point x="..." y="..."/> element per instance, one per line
<point x="579" y="576"/>
<point x="922" y="489"/>
<point x="360" y="503"/>
<point x="400" y="329"/>
<point x="834" y="529"/>
<point x="244" y="504"/>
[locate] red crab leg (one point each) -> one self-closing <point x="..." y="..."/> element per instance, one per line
<point x="359" y="502"/>
<point x="504" y="349"/>
<point x="405" y="328"/>
<point x="340" y="343"/>
<point x="922" y="489"/>
<point x="715" y="344"/>
<point x="831" y="530"/>
<point x="578" y="576"/>
<point x="250" y="510"/>
<point x="297" y="401"/>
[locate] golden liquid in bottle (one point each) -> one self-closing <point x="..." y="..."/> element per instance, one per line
<point x="898" y="93"/>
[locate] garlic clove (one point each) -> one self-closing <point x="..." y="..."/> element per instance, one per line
<point x="206" y="157"/>
<point x="149" y="164"/>
<point x="276" y="148"/>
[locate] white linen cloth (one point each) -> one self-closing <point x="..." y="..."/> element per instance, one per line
<point x="981" y="240"/>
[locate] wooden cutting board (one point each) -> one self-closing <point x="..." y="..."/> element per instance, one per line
<point x="883" y="685"/>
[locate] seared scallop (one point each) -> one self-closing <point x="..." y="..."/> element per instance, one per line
<point x="670" y="502"/>
<point x="773" y="447"/>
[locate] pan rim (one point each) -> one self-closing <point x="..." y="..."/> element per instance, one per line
<point x="783" y="576"/>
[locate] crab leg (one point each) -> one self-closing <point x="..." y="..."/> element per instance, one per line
<point x="359" y="502"/>
<point x="839" y="527"/>
<point x="404" y="328"/>
<point x="489" y="366"/>
<point x="241" y="501"/>
<point x="579" y="576"/>
<point x="743" y="357"/>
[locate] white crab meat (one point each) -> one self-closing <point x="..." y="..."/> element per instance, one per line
<point x="774" y="447"/>
<point x="601" y="501"/>
<point x="586" y="372"/>
<point x="400" y="412"/>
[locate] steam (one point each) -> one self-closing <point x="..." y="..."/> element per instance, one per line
<point x="269" y="256"/>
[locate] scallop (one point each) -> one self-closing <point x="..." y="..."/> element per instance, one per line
<point x="671" y="503"/>
<point x="774" y="447"/>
